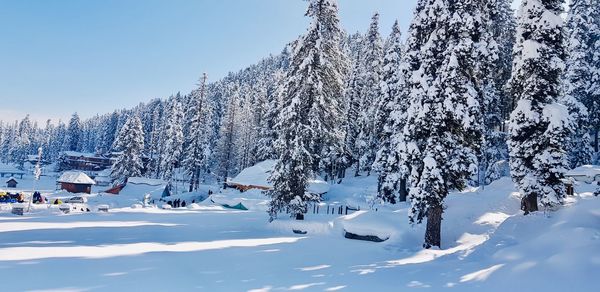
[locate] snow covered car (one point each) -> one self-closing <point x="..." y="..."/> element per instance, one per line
<point x="76" y="200"/>
<point x="585" y="173"/>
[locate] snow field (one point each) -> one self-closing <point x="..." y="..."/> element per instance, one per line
<point x="487" y="244"/>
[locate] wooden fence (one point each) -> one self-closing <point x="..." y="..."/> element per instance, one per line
<point x="330" y="209"/>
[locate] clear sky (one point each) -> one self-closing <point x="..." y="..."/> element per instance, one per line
<point x="62" y="56"/>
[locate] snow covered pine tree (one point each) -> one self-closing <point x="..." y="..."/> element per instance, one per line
<point x="582" y="24"/>
<point x="443" y="131"/>
<point x="391" y="186"/>
<point x="539" y="126"/>
<point x="310" y="121"/>
<point x="74" y="133"/>
<point x="497" y="103"/>
<point x="370" y="95"/>
<point x="130" y="142"/>
<point x="196" y="151"/>
<point x="173" y="145"/>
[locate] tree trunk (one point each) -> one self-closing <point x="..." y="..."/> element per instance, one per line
<point x="529" y="203"/>
<point x="596" y="140"/>
<point x="357" y="169"/>
<point x="403" y="190"/>
<point x="341" y="174"/>
<point x="192" y="181"/>
<point x="433" y="233"/>
<point x="197" y="180"/>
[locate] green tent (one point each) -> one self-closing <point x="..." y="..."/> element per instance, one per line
<point x="239" y="206"/>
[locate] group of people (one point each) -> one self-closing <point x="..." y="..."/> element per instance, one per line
<point x="177" y="203"/>
<point x="38" y="198"/>
<point x="12" y="198"/>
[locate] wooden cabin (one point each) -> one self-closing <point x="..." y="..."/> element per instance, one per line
<point x="11" y="172"/>
<point x="71" y="160"/>
<point x="76" y="182"/>
<point x="11" y="183"/>
<point x="257" y="178"/>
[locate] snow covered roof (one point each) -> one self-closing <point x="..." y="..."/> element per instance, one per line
<point x="258" y="176"/>
<point x="6" y="168"/>
<point x="76" y="177"/>
<point x="79" y="154"/>
<point x="11" y="178"/>
<point x="140" y="186"/>
<point x="146" y="181"/>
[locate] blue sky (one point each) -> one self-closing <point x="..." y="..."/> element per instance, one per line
<point x="62" y="56"/>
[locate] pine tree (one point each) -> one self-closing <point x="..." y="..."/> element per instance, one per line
<point x="197" y="151"/>
<point x="3" y="130"/>
<point x="48" y="134"/>
<point x="496" y="102"/>
<point x="59" y="142"/>
<point x="443" y="131"/>
<point x="130" y="142"/>
<point x="370" y="95"/>
<point x="392" y="176"/>
<point x="9" y="137"/>
<point x="247" y="123"/>
<point x="582" y="18"/>
<point x="267" y="134"/>
<point x="353" y="106"/>
<point x="108" y="132"/>
<point x="538" y="125"/>
<point x="74" y="133"/>
<point x="154" y="147"/>
<point x="309" y="124"/>
<point x="503" y="26"/>
<point x="173" y="145"/>
<point x="593" y="103"/>
<point x="228" y="133"/>
<point x="23" y="143"/>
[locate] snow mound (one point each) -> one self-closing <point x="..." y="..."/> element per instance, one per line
<point x="367" y="223"/>
<point x="311" y="227"/>
<point x="195" y="206"/>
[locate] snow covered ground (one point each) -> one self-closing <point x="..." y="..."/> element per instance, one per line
<point x="487" y="245"/>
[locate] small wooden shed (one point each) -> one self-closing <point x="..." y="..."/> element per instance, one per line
<point x="76" y="182"/>
<point x="11" y="183"/>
